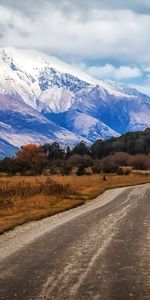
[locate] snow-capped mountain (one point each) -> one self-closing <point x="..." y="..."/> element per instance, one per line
<point x="43" y="99"/>
<point x="21" y="124"/>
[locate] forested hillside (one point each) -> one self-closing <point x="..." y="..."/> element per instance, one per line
<point x="131" y="149"/>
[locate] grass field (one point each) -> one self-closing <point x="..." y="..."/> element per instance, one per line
<point x="23" y="199"/>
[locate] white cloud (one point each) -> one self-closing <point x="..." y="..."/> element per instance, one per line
<point x="125" y="72"/>
<point x="99" y="34"/>
<point x="135" y="5"/>
<point x="109" y="71"/>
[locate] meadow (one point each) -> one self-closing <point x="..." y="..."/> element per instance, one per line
<point x="29" y="198"/>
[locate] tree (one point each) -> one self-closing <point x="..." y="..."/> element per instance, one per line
<point x="30" y="153"/>
<point x="68" y="152"/>
<point x="80" y="170"/>
<point x="81" y="149"/>
<point x="34" y="157"/>
<point x="54" y="151"/>
<point x="13" y="166"/>
<point x="100" y="149"/>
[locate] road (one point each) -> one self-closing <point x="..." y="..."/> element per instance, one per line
<point x="98" y="251"/>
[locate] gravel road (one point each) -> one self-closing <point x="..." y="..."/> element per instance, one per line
<point x="100" y="250"/>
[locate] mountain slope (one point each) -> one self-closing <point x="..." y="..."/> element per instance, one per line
<point x="20" y="124"/>
<point x="122" y="114"/>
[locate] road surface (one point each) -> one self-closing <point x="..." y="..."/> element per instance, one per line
<point x="98" y="251"/>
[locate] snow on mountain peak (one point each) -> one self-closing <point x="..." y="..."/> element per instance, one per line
<point x="33" y="62"/>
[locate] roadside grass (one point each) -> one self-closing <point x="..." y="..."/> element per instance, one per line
<point x="24" y="199"/>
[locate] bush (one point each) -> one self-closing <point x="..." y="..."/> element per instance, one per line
<point x="97" y="166"/>
<point x="139" y="161"/>
<point x="52" y="187"/>
<point x="80" y="170"/>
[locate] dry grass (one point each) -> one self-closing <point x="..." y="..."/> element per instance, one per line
<point x="23" y="199"/>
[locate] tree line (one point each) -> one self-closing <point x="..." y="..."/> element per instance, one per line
<point x="131" y="149"/>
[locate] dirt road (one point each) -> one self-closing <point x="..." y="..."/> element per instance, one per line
<point x="98" y="251"/>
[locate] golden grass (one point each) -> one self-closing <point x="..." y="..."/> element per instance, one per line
<point x="23" y="199"/>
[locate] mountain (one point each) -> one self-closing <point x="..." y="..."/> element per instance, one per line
<point x="43" y="99"/>
<point x="21" y="124"/>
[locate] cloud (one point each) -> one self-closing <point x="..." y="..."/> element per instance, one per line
<point x="142" y="6"/>
<point x="106" y="30"/>
<point x="109" y="71"/>
<point x="108" y="39"/>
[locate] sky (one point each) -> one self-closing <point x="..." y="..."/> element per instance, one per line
<point x="108" y="39"/>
